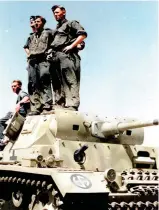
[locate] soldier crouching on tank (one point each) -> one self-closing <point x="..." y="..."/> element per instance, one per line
<point x="22" y="106"/>
<point x="39" y="84"/>
<point x="68" y="35"/>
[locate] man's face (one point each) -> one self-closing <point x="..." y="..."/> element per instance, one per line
<point x="32" y="24"/>
<point x="59" y="14"/>
<point x="38" y="23"/>
<point x="16" y="87"/>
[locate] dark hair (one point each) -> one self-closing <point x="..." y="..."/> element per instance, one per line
<point x="42" y="19"/>
<point x="18" y="81"/>
<point x="32" y="17"/>
<point x="57" y="6"/>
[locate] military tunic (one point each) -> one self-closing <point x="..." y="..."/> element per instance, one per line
<point x="26" y="46"/>
<point x="68" y="63"/>
<point x="39" y="85"/>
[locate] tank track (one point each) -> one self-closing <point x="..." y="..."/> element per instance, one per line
<point x="140" y="175"/>
<point x="141" y="197"/>
<point x="143" y="193"/>
<point x="134" y="206"/>
<point x="17" y="192"/>
<point x="27" y="191"/>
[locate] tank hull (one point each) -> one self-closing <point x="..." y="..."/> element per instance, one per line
<point x="44" y="189"/>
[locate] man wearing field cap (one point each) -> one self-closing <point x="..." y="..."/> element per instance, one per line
<point x="69" y="35"/>
<point x="39" y="81"/>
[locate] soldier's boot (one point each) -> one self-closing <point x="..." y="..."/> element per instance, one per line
<point x="47" y="109"/>
<point x="33" y="113"/>
<point x="73" y="108"/>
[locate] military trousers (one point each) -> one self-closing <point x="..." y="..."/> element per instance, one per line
<point x="58" y="92"/>
<point x="3" y="123"/>
<point x="39" y="84"/>
<point x="69" y="73"/>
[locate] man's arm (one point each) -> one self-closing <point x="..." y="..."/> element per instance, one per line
<point x="51" y="36"/>
<point x="79" y="39"/>
<point x="52" y="33"/>
<point x="79" y="32"/>
<point x="25" y="99"/>
<point x="26" y="46"/>
<point x="27" y="51"/>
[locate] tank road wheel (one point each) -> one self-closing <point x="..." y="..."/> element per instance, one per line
<point x="40" y="206"/>
<point x="17" y="198"/>
<point x="2" y="202"/>
<point x="45" y="201"/>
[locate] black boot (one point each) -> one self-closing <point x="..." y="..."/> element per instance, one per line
<point x="73" y="108"/>
<point x="33" y="113"/>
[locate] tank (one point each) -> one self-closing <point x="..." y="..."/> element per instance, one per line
<point x="71" y="160"/>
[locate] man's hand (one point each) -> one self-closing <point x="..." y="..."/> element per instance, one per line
<point x="49" y="51"/>
<point x="78" y="41"/>
<point x="67" y="49"/>
<point x="79" y="47"/>
<point x="49" y="55"/>
<point x="17" y="107"/>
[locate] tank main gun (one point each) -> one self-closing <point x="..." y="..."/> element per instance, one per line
<point x="109" y="129"/>
<point x="122" y="131"/>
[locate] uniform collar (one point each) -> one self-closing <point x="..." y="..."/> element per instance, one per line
<point x="39" y="32"/>
<point x="60" y="23"/>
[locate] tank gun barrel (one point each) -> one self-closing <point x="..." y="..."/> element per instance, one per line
<point x="109" y="129"/>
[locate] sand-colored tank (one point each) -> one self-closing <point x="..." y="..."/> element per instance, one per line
<point x="75" y="161"/>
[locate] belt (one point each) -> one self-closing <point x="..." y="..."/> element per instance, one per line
<point x="38" y="56"/>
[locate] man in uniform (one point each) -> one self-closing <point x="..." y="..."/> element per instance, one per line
<point x="39" y="84"/>
<point x="68" y="36"/>
<point x="22" y="106"/>
<point x="32" y="25"/>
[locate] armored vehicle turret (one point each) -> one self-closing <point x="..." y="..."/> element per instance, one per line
<point x="71" y="160"/>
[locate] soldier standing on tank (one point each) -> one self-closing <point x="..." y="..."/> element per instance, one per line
<point x="68" y="35"/>
<point x="39" y="84"/>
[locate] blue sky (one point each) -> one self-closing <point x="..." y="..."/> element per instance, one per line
<point x="119" y="63"/>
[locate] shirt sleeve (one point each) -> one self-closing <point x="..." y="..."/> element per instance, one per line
<point x="23" y="94"/>
<point x="27" y="43"/>
<point x="51" y="37"/>
<point x="51" y="34"/>
<point x="77" y="28"/>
